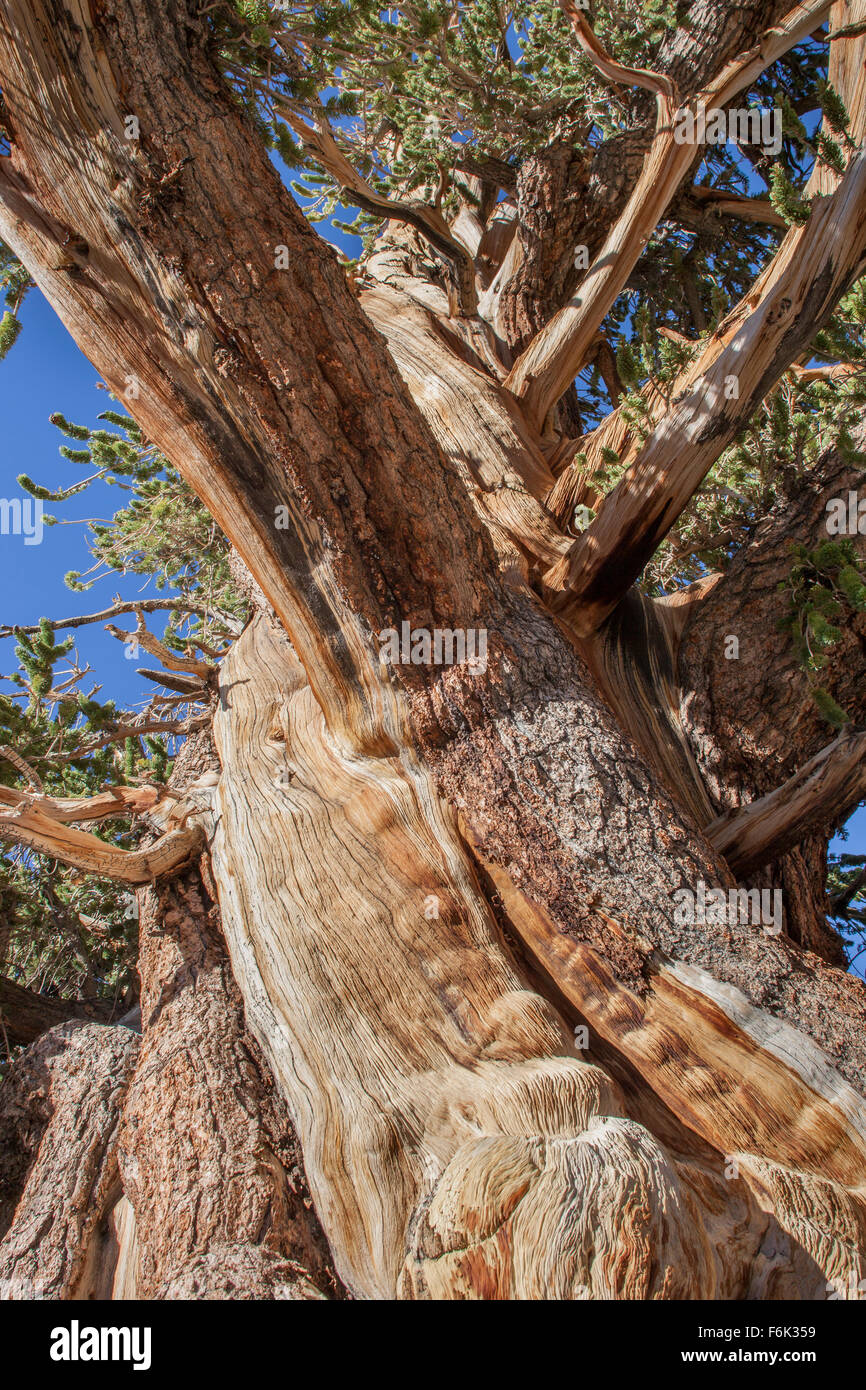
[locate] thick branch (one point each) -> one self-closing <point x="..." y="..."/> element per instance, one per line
<point x="824" y="792"/>
<point x="813" y="269"/>
<point x="35" y="830"/>
<point x="26" y="1015"/>
<point x="114" y="801"/>
<point x="544" y="371"/>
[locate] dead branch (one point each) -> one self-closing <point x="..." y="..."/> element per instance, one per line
<point x="822" y="793"/>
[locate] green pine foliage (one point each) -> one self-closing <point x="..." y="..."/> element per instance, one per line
<point x="846" y="898"/>
<point x="72" y="933"/>
<point x="15" y="282"/>
<point x="825" y="588"/>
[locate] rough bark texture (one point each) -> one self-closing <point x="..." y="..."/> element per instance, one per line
<point x="72" y="1082"/>
<point x="752" y="723"/>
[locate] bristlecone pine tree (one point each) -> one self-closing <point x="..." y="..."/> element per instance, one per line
<point x="516" y="643"/>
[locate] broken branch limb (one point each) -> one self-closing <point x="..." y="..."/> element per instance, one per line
<point x="823" y="792"/>
<point x="725" y="204"/>
<point x="114" y="801"/>
<point x="169" y="659"/>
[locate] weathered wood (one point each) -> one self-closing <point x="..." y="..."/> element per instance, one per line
<point x="545" y="369"/>
<point x="32" y="828"/>
<point x="420" y="1142"/>
<point x="824" y="792"/>
<point x="810" y="272"/>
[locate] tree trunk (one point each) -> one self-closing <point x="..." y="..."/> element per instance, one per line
<point x="426" y="878"/>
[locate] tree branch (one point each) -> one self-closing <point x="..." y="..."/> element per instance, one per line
<point x="152" y="605"/>
<point x="554" y="357"/>
<point x="724" y="204"/>
<point x="114" y="801"/>
<point x="26" y="1015"/>
<point x="823" y="792"/>
<point x="427" y="220"/>
<point x="770" y="329"/>
<point x="35" y="828"/>
<point x="204" y="670"/>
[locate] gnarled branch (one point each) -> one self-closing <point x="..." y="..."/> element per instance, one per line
<point x="811" y="272"/>
<point x="823" y="792"/>
<point x="554" y="357"/>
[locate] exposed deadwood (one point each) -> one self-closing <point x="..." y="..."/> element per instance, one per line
<point x="114" y="801"/>
<point x="543" y="372"/>
<point x="560" y="208"/>
<point x="474" y="420"/>
<point x="152" y="645"/>
<point x="418" y="1141"/>
<point x="433" y="1154"/>
<point x="724" y="204"/>
<point x="30" y="826"/>
<point x="811" y="271"/>
<point x="821" y="794"/>
<point x="847" y="67"/>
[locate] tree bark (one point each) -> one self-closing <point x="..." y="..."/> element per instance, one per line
<point x="425" y="877"/>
